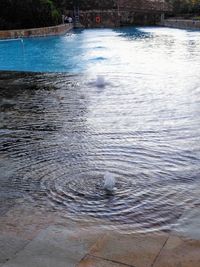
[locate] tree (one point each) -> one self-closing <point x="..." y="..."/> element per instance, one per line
<point x="15" y="14"/>
<point x="185" y="6"/>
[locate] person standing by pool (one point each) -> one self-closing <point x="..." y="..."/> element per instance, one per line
<point x="63" y="18"/>
<point x="66" y="19"/>
<point x="70" y="19"/>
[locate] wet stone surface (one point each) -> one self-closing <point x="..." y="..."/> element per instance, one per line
<point x="179" y="252"/>
<point x="90" y="261"/>
<point x="54" y="246"/>
<point x="10" y="246"/>
<point x="135" y="250"/>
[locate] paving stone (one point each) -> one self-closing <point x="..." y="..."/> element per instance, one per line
<point x="135" y="249"/>
<point x="90" y="261"/>
<point x="179" y="253"/>
<point x="25" y="222"/>
<point x="9" y="246"/>
<point x="55" y="247"/>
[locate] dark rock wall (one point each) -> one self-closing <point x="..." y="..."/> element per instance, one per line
<point x="111" y="18"/>
<point x="99" y="18"/>
<point x="120" y="12"/>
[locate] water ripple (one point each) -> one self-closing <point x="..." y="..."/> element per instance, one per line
<point x="59" y="135"/>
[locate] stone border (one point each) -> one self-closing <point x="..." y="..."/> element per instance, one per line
<point x="181" y="24"/>
<point x="36" y="32"/>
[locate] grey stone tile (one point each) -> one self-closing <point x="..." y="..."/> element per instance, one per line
<point x="90" y="261"/>
<point x="40" y="261"/>
<point x="135" y="249"/>
<point x="9" y="246"/>
<point x="55" y="247"/>
<point x="179" y="252"/>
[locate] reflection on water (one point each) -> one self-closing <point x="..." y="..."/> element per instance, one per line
<point x="60" y="134"/>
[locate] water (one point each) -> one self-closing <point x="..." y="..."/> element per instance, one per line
<point x="60" y="133"/>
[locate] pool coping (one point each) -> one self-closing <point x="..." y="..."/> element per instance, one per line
<point x="36" y="32"/>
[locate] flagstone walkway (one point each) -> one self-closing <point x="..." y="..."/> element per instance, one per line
<point x="32" y="238"/>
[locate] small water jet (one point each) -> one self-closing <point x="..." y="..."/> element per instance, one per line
<point x="22" y="44"/>
<point x="100" y="81"/>
<point x="109" y="182"/>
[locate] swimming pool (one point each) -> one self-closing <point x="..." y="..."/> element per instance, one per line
<point x="128" y="49"/>
<point x="62" y="131"/>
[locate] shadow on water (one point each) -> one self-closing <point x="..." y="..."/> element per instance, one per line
<point x="131" y="33"/>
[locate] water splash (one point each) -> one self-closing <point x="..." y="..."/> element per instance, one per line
<point x="22" y="44"/>
<point x="100" y="81"/>
<point x="109" y="181"/>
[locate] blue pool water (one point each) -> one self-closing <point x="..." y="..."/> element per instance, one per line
<point x="126" y="101"/>
<point x="127" y="49"/>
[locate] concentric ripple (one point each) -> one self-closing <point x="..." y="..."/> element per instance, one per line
<point x="83" y="193"/>
<point x="60" y="133"/>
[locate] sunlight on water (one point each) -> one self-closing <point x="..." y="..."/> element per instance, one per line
<point x="128" y="105"/>
<point x="125" y="50"/>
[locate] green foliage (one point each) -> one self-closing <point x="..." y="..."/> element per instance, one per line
<point x="56" y="16"/>
<point x="16" y="14"/>
<point x="185" y="6"/>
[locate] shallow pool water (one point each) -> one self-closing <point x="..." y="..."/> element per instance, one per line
<point x="61" y="132"/>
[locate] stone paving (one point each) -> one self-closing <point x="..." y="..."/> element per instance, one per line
<point x="134" y="249"/>
<point x="30" y="237"/>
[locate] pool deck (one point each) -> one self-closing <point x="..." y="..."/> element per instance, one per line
<point x="31" y="237"/>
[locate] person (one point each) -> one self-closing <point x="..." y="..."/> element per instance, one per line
<point x="70" y="19"/>
<point x="63" y="19"/>
<point x="66" y="19"/>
